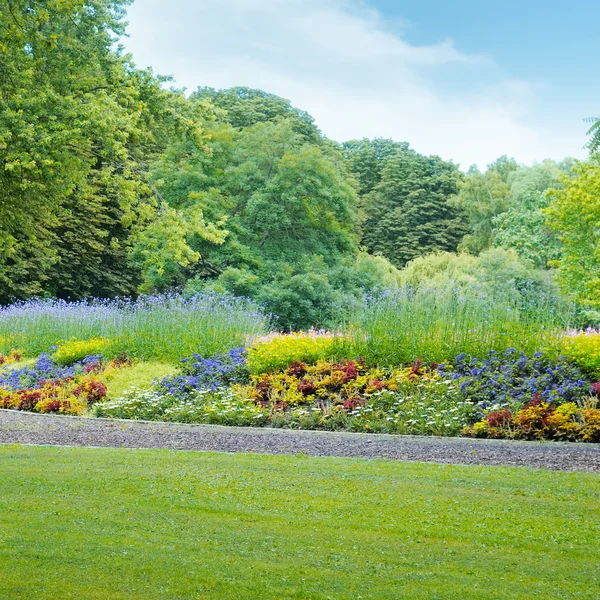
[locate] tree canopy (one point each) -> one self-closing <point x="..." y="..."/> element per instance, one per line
<point x="113" y="184"/>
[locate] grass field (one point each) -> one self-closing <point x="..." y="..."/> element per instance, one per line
<point x="131" y="524"/>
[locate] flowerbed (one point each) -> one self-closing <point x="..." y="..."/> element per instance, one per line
<point x="508" y="395"/>
<point x="48" y="387"/>
<point x="503" y="395"/>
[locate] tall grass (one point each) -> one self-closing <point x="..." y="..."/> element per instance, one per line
<point x="438" y="323"/>
<point x="164" y="328"/>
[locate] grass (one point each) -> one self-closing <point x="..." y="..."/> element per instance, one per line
<point x="438" y="323"/>
<point x="140" y="375"/>
<point x="138" y="524"/>
<point x="165" y="328"/>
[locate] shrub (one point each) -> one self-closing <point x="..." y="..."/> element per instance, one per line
<point x="74" y="350"/>
<point x="12" y="357"/>
<point x="583" y="349"/>
<point x="514" y="379"/>
<point x="538" y="420"/>
<point x="278" y="350"/>
<point x="48" y="387"/>
<point x="221" y="406"/>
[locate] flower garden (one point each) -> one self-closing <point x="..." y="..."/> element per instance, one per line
<point x="304" y="380"/>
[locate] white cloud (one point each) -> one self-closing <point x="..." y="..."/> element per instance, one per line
<point x="338" y="60"/>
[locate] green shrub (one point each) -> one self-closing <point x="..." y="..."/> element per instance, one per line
<point x="71" y="351"/>
<point x="584" y="351"/>
<point x="278" y="350"/>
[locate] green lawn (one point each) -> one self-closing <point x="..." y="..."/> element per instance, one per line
<point x="137" y="524"/>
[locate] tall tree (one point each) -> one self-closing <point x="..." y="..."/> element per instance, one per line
<point x="245" y="107"/>
<point x="80" y="129"/>
<point x="408" y="214"/>
<point x="481" y="197"/>
<point x="367" y="159"/>
<point x="575" y="216"/>
<point x="523" y="228"/>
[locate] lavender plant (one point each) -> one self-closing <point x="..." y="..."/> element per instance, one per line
<point x="158" y="327"/>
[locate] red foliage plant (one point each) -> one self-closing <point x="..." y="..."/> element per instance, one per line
<point x="499" y="418"/>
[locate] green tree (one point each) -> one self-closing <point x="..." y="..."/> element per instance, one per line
<point x="245" y="107"/>
<point x="408" y="214"/>
<point x="80" y="131"/>
<point x="481" y="197"/>
<point x="574" y="215"/>
<point x="523" y="228"/>
<point x="367" y="159"/>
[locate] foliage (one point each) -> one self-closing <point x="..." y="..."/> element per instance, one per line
<point x="290" y="214"/>
<point x="160" y="327"/>
<point x="367" y="159"/>
<point x="74" y="350"/>
<point x="14" y="356"/>
<point x="245" y="107"/>
<point x="220" y="406"/>
<point x="350" y="395"/>
<point x="438" y="322"/>
<point x="278" y="350"/>
<point x="523" y="228"/>
<point x="594" y="134"/>
<point x="499" y="272"/>
<point x="514" y="379"/>
<point x="481" y="197"/>
<point x="163" y="248"/>
<point x="49" y="387"/>
<point x="583" y="350"/>
<point x="574" y="215"/>
<point x="80" y="130"/>
<point x="538" y="420"/>
<point x="408" y="213"/>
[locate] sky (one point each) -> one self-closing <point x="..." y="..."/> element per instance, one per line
<point x="468" y="80"/>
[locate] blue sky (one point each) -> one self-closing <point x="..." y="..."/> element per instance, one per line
<point x="468" y="80"/>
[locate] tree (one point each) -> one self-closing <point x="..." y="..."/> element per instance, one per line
<point x="367" y="159"/>
<point x="574" y="215"/>
<point x="481" y="197"/>
<point x="80" y="131"/>
<point x="408" y="213"/>
<point x="523" y="229"/>
<point x="594" y="134"/>
<point x="245" y="107"/>
<point x="55" y="58"/>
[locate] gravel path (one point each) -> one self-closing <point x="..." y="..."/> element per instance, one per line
<point x="29" y="428"/>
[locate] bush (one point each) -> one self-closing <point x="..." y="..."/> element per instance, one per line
<point x="278" y="350"/>
<point x="583" y="349"/>
<point x="199" y="373"/>
<point x="515" y="379"/>
<point x="538" y="420"/>
<point x="74" y="350"/>
<point x="48" y="387"/>
<point x="220" y="407"/>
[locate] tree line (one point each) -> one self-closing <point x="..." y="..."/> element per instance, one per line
<point x="112" y="184"/>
